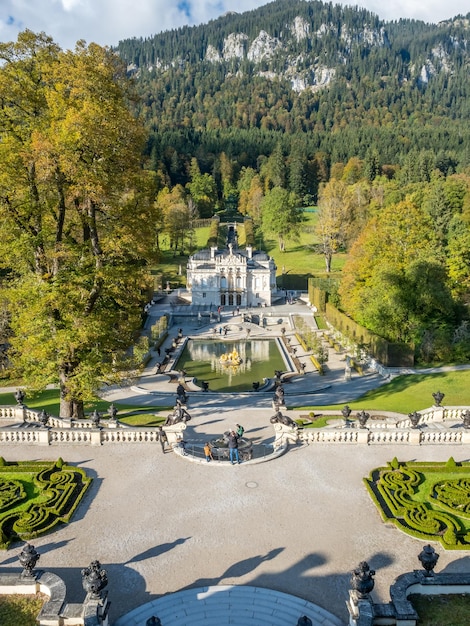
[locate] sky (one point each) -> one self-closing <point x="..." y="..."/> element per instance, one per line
<point x="107" y="22"/>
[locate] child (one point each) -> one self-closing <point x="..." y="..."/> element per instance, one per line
<point x="208" y="452"/>
<point x="240" y="430"/>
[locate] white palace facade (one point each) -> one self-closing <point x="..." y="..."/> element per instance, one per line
<point x="231" y="277"/>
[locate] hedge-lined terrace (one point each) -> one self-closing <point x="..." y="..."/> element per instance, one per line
<point x="36" y="496"/>
<point x="430" y="501"/>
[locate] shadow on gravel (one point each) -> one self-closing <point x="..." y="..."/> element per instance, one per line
<point x="156" y="551"/>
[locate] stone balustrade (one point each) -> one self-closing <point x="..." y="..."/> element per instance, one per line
<point x="394" y="429"/>
<point x="56" y="611"/>
<point x="400" y="611"/>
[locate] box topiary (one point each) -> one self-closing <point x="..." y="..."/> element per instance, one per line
<point x="430" y="501"/>
<point x="55" y="491"/>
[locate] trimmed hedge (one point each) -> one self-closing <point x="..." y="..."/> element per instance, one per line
<point x="444" y="515"/>
<point x="318" y="365"/>
<point x="213" y="238"/>
<point x="389" y="354"/>
<point x="249" y="233"/>
<point x="58" y="490"/>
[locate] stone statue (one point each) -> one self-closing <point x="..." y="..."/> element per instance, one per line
<point x="278" y="398"/>
<point x="95" y="418"/>
<point x="279" y="418"/>
<point x="112" y="411"/>
<point x="94" y="579"/>
<point x="179" y="415"/>
<point x="181" y="394"/>
<point x="28" y="558"/>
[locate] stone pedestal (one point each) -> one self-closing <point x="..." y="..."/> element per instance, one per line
<point x="95" y="611"/>
<point x="95" y="436"/>
<point x="284" y="434"/>
<point x="415" y="437"/>
<point x="174" y="433"/>
<point x="362" y="435"/>
<point x="361" y="610"/>
<point x="438" y="413"/>
<point x="43" y="436"/>
<point x="466" y="436"/>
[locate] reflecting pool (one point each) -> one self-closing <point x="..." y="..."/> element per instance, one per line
<point x="208" y="361"/>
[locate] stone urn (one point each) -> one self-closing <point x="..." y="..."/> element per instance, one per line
<point x="414" y="419"/>
<point x="28" y="558"/>
<point x="428" y="558"/>
<point x="362" y="581"/>
<point x="362" y="418"/>
<point x="94" y="579"/>
<point x="19" y="397"/>
<point x="346" y="412"/>
<point x="466" y="418"/>
<point x="43" y="417"/>
<point x="438" y="397"/>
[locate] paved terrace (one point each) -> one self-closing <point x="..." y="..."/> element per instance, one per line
<point x="297" y="525"/>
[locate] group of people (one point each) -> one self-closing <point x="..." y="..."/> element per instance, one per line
<point x="232" y="438"/>
<point x="232" y="442"/>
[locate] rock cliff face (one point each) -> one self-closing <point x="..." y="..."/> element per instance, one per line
<point x="310" y="53"/>
<point x="264" y="47"/>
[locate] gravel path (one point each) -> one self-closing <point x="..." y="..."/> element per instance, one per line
<point x="299" y="524"/>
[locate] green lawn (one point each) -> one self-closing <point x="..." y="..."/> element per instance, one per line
<point x="300" y="261"/>
<point x="403" y="394"/>
<point x="408" y="393"/>
<point x="145" y="419"/>
<point x="49" y="401"/>
<point x="444" y="610"/>
<point x="20" y="609"/>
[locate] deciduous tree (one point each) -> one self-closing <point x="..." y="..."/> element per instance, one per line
<point x="281" y="215"/>
<point x="75" y="215"/>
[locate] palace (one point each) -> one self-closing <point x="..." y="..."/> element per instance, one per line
<point x="231" y="277"/>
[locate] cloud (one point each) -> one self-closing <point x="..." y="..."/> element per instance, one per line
<point x="70" y="5"/>
<point x="108" y="21"/>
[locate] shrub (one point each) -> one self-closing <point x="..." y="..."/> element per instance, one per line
<point x="317" y="364"/>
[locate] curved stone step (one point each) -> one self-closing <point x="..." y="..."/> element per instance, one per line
<point x="224" y="605"/>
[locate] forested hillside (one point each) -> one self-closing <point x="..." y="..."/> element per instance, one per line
<point x="338" y="78"/>
<point x="306" y="102"/>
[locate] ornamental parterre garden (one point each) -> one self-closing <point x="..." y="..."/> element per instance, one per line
<point x="36" y="496"/>
<point x="429" y="501"/>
